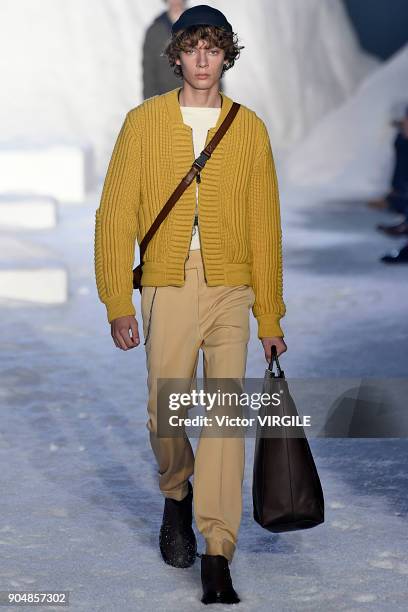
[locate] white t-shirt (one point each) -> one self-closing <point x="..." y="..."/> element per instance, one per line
<point x="201" y="119"/>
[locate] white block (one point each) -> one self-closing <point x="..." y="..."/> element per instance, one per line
<point x="40" y="284"/>
<point x="62" y="171"/>
<point x="27" y="212"/>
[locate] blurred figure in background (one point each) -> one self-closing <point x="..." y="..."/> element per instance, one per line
<point x="396" y="200"/>
<point x="157" y="74"/>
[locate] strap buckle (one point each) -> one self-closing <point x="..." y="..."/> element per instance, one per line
<point x="202" y="159"/>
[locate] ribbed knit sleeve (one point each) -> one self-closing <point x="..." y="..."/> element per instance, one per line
<point x="116" y="224"/>
<point x="266" y="241"/>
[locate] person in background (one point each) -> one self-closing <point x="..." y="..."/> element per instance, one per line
<point x="396" y="200"/>
<point x="157" y="74"/>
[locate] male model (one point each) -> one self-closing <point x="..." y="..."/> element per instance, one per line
<point x="216" y="256"/>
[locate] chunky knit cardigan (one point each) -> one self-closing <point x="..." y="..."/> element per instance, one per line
<point x="239" y="209"/>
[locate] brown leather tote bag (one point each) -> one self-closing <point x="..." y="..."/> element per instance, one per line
<point x="286" y="490"/>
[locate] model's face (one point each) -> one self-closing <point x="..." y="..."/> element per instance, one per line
<point x="201" y="60"/>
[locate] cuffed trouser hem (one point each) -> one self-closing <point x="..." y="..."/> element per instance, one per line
<point x="220" y="547"/>
<point x="177" y="494"/>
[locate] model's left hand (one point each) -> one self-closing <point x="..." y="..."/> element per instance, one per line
<point x="278" y="342"/>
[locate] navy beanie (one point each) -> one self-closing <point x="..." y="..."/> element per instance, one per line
<point x="201" y="15"/>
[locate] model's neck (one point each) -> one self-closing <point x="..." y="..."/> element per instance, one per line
<point x="210" y="98"/>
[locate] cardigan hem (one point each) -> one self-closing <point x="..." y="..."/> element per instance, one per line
<point x="228" y="274"/>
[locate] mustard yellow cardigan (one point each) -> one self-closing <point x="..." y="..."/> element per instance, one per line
<point x="239" y="209"/>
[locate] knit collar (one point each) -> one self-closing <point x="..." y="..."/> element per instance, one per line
<point x="176" y="117"/>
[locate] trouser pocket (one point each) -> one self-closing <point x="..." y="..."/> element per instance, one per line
<point x="250" y="292"/>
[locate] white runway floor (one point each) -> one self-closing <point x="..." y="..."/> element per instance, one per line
<point x="80" y="508"/>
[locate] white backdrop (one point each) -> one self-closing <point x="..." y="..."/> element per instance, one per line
<point x="352" y="147"/>
<point x="71" y="69"/>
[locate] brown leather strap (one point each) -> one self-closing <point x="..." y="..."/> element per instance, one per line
<point x="197" y="166"/>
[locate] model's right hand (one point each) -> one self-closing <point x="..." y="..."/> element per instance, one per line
<point x="120" y="332"/>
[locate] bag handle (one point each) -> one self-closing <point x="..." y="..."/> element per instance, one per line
<point x="195" y="169"/>
<point x="281" y="373"/>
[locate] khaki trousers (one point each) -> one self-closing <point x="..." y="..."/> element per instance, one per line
<point x="177" y="322"/>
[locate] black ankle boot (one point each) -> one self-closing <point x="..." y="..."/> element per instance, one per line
<point x="178" y="544"/>
<point x="216" y="580"/>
